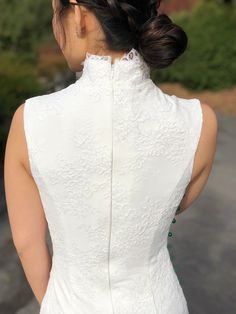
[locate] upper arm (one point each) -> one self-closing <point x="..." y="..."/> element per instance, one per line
<point x="204" y="157"/>
<point x="25" y="210"/>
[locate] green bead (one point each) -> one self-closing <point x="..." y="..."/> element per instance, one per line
<point x="170" y="234"/>
<point x="178" y="209"/>
<point x="174" y="221"/>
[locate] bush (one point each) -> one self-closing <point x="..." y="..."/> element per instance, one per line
<point x="209" y="61"/>
<point x="18" y="81"/>
<point x="23" y="23"/>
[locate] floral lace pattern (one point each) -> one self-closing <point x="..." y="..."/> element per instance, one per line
<point x="112" y="155"/>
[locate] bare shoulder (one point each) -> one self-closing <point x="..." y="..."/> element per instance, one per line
<point x="207" y="143"/>
<point x="209" y="134"/>
<point x="210" y="122"/>
<point x="16" y="147"/>
<point x="16" y="127"/>
<point x="17" y="117"/>
<point x="204" y="156"/>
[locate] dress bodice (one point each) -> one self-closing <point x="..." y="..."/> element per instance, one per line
<point x="112" y="155"/>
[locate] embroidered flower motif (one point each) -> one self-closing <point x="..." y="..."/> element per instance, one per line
<point x="112" y="155"/>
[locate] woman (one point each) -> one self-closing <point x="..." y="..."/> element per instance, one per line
<point x="105" y="164"/>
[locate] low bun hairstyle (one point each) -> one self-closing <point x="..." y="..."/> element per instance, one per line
<point x="161" y="41"/>
<point x="131" y="23"/>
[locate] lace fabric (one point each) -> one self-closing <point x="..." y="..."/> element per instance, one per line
<point x="129" y="70"/>
<point x="133" y="55"/>
<point x="112" y="155"/>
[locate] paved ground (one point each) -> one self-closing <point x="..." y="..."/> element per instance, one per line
<point x="202" y="247"/>
<point x="203" y="241"/>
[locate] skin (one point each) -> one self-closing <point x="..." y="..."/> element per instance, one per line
<point x="25" y="210"/>
<point x="79" y="18"/>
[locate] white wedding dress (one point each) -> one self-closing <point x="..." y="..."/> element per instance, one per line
<point x="112" y="155"/>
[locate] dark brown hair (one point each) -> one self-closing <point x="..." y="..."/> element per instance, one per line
<point x="132" y="23"/>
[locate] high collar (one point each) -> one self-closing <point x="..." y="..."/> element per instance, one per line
<point x="130" y="69"/>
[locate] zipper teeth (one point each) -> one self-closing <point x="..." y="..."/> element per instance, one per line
<point x="112" y="69"/>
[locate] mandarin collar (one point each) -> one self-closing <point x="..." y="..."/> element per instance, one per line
<point x="129" y="69"/>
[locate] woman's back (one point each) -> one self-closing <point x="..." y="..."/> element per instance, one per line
<point x="112" y="156"/>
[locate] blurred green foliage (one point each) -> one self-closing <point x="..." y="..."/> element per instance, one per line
<point x="19" y="81"/>
<point x="210" y="59"/>
<point x="24" y="23"/>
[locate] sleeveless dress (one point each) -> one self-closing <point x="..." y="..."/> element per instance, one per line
<point x="112" y="155"/>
